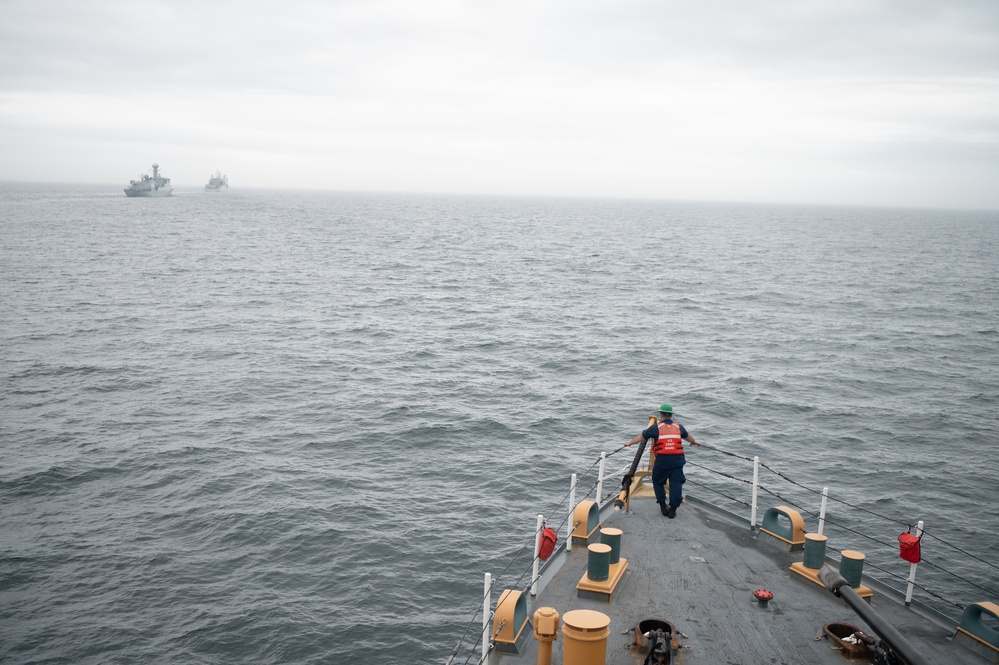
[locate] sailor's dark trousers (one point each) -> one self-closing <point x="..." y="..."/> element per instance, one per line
<point x="669" y="468"/>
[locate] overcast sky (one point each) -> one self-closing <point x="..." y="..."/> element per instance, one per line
<point x="855" y="102"/>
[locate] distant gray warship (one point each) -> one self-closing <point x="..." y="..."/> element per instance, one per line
<point x="155" y="185"/>
<point x="217" y="183"/>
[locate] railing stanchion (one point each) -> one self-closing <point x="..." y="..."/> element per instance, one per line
<point x="537" y="557"/>
<point x="600" y="479"/>
<point x="756" y="490"/>
<point x="822" y="510"/>
<point x="486" y="604"/>
<point x="569" y="526"/>
<point x="912" y="568"/>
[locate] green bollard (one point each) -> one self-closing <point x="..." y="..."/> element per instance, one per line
<point x="598" y="564"/>
<point x="611" y="536"/>
<point x="851" y="567"/>
<point x="815" y="551"/>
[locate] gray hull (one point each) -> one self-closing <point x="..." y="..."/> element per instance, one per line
<point x="166" y="191"/>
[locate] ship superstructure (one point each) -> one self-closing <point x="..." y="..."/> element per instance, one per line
<point x="150" y="185"/>
<point x="217" y="183"/>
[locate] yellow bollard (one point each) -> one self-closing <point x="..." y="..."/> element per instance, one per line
<point x="586" y="634"/>
<point x="546" y="632"/>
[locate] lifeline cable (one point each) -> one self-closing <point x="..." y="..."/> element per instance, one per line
<point x="827" y="518"/>
<point x="529" y="568"/>
<point x="485" y="654"/>
<point x="533" y="538"/>
<point x="711" y="489"/>
<point x="721" y="473"/>
<point x="938" y="538"/>
<point x="891" y="547"/>
<point x="963" y="579"/>
<point x="868" y="564"/>
<point x="846" y="528"/>
<point x="846" y="503"/>
<point x="514" y="557"/>
<point x="493" y="583"/>
<point x="457" y="647"/>
<point x="597" y="463"/>
<point x="804" y="487"/>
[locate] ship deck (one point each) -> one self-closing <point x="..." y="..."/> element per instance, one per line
<point x="698" y="572"/>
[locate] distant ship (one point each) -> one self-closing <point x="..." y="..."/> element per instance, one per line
<point x="155" y="185"/>
<point x="217" y="183"/>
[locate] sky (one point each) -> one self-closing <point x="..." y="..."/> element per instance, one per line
<point x="836" y="102"/>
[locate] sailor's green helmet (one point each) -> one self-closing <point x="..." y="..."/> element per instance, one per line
<point x="666" y="408"/>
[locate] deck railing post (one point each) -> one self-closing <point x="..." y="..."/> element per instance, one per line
<point x="822" y="510"/>
<point x="912" y="568"/>
<point x="569" y="526"/>
<point x="537" y="557"/>
<point x="486" y="604"/>
<point x="756" y="491"/>
<point x="600" y="479"/>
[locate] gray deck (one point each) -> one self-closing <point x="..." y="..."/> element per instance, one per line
<point x="698" y="572"/>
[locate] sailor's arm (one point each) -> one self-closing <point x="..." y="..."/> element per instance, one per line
<point x="650" y="433"/>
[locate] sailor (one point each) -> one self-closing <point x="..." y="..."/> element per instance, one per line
<point x="668" y="437"/>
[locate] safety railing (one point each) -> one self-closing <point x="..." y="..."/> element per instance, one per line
<point x="479" y="650"/>
<point x="882" y="556"/>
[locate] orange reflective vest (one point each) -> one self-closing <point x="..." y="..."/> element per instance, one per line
<point x="669" y="442"/>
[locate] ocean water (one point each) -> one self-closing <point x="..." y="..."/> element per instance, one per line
<point x="298" y="427"/>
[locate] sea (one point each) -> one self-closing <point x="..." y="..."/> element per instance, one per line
<point x="275" y="426"/>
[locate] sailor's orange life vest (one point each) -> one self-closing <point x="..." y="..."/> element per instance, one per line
<point x="669" y="442"/>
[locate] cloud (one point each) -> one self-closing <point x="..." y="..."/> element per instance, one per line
<point x="659" y="99"/>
